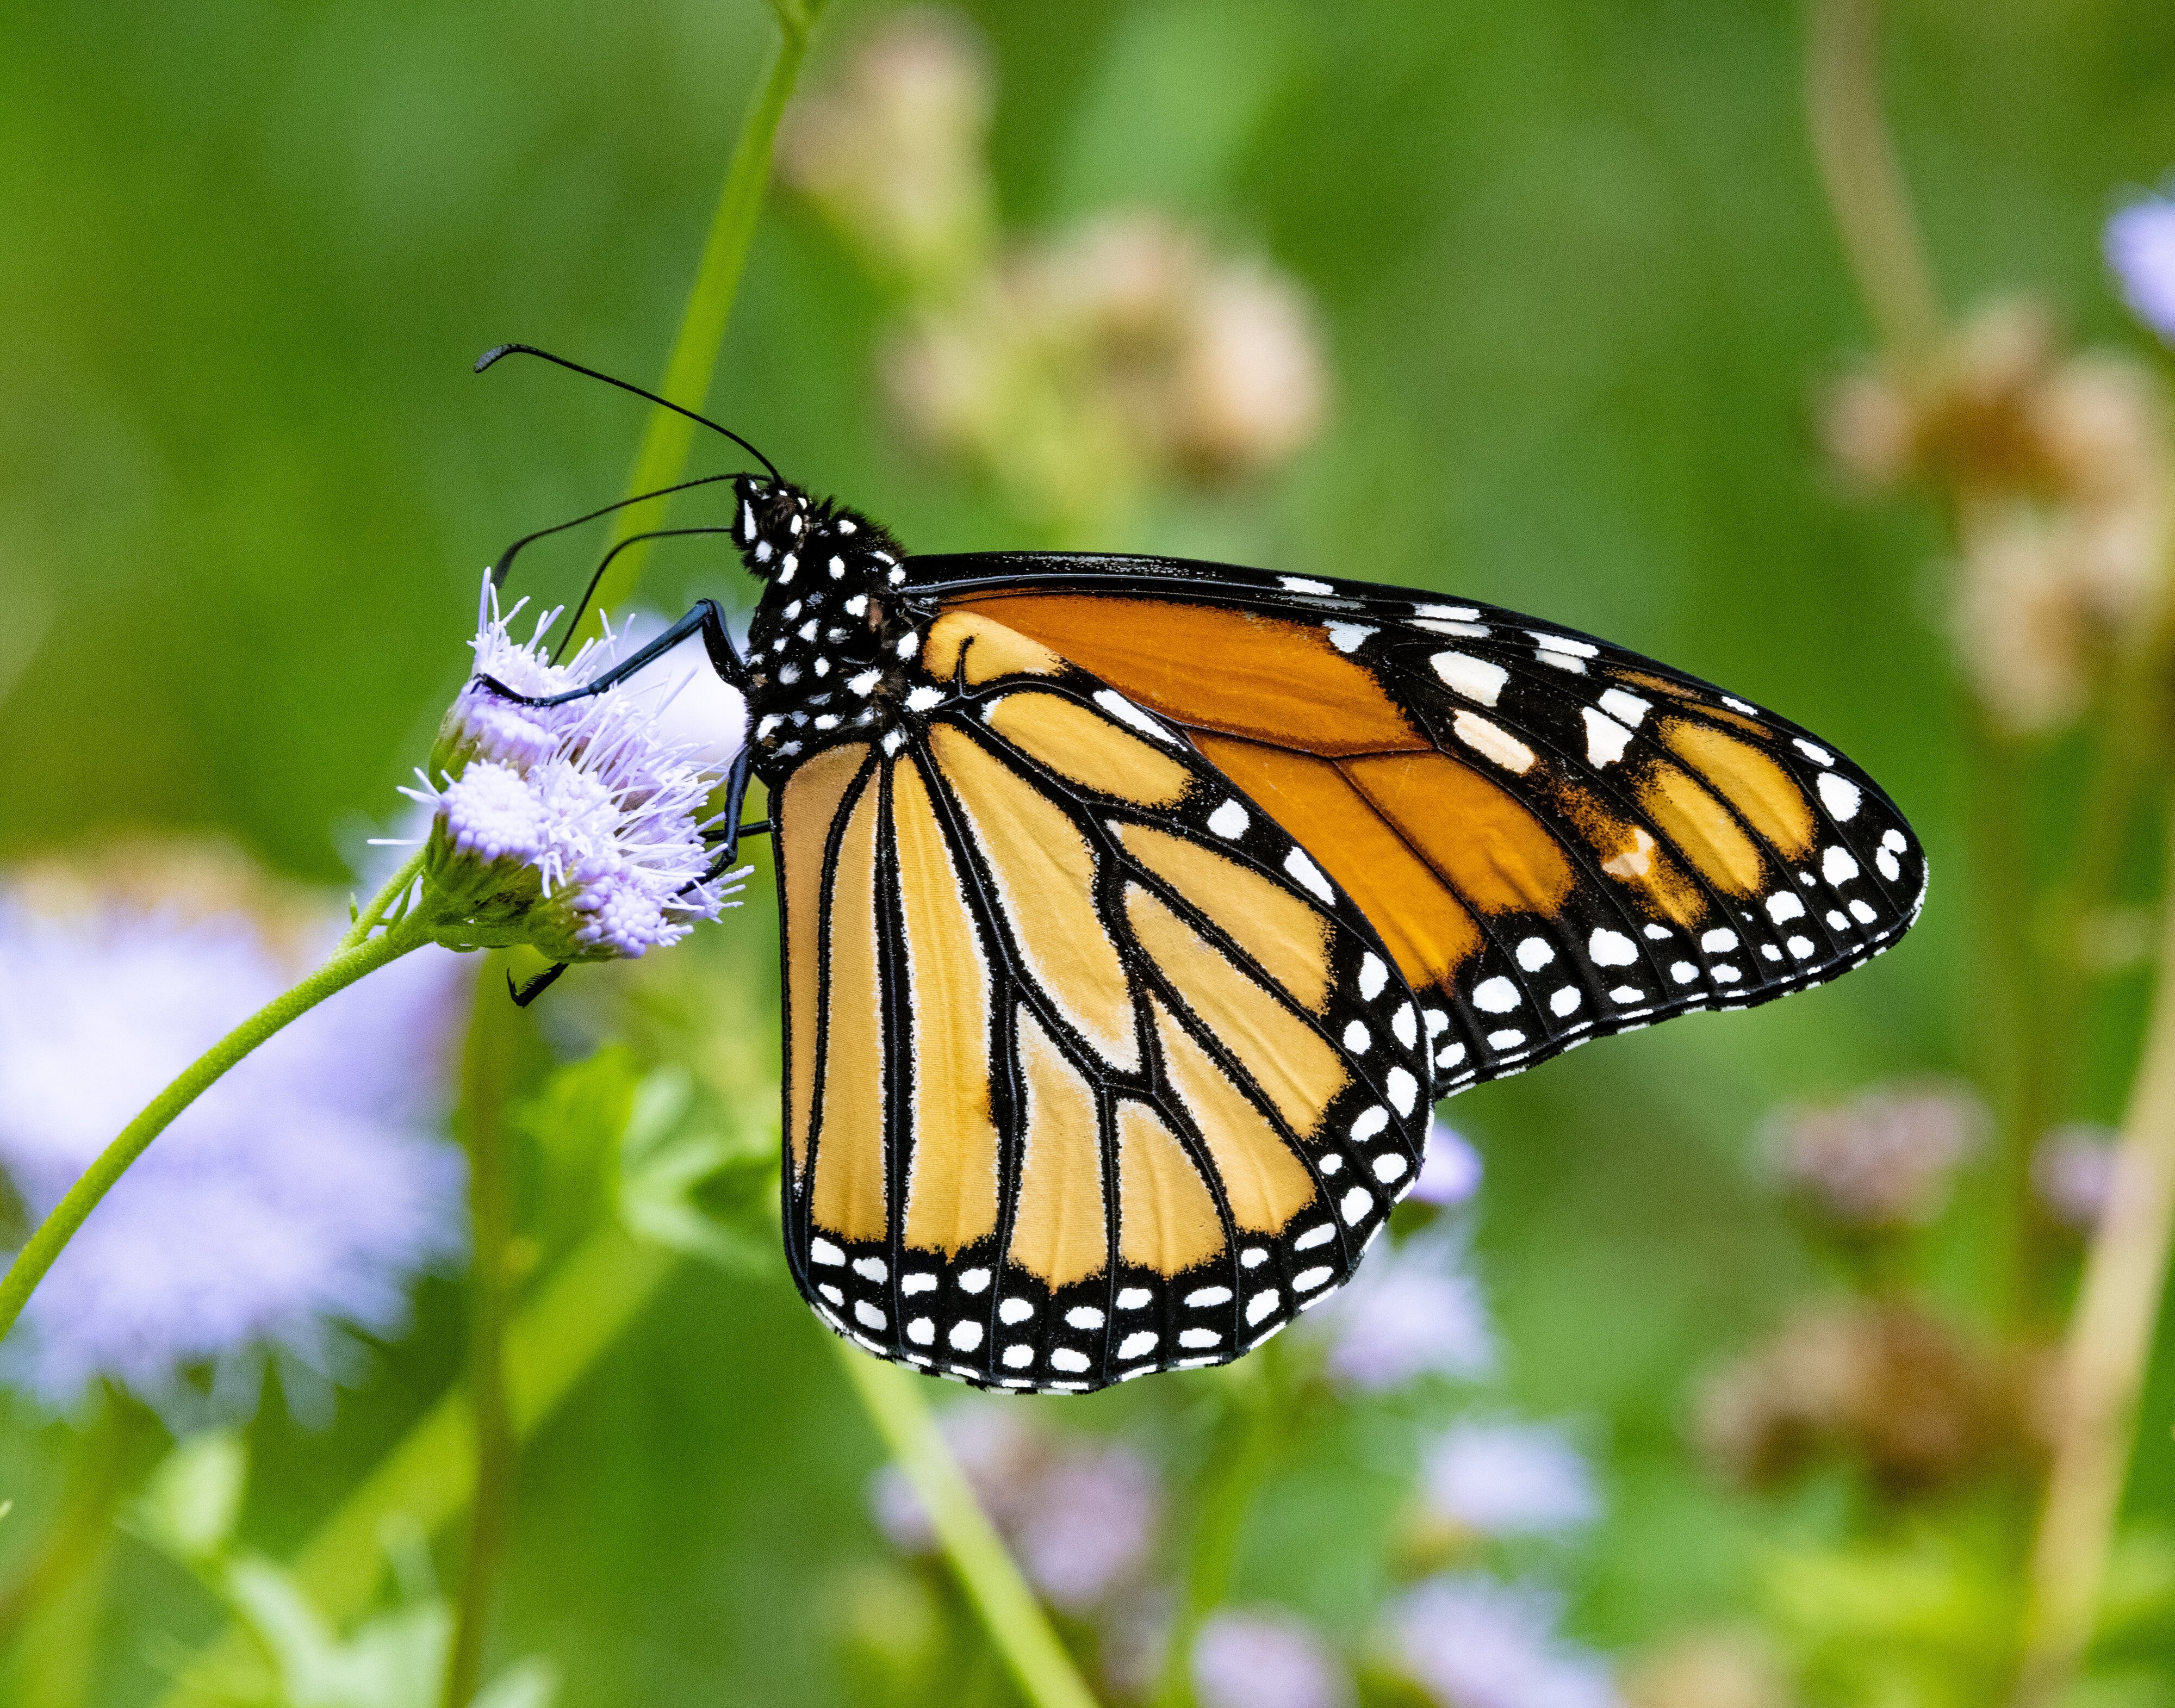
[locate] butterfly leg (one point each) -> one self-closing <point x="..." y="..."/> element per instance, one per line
<point x="707" y="619"/>
<point x="535" y="987"/>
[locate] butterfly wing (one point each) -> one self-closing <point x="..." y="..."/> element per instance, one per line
<point x="1091" y="1071"/>
<point x="1554" y="837"/>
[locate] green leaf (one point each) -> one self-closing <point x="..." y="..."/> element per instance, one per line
<point x="700" y="1186"/>
<point x="576" y="1121"/>
<point x="189" y="1505"/>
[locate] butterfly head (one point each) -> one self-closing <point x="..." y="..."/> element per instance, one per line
<point x="787" y="537"/>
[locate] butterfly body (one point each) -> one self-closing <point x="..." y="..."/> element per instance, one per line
<point x="1137" y="911"/>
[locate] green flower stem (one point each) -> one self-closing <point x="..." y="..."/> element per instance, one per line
<point x="349" y="963"/>
<point x="49" y="1614"/>
<point x="665" y="443"/>
<point x="570" y="1321"/>
<point x="391" y="899"/>
<point x="487" y="1072"/>
<point x="2104" y="1366"/>
<point x="1864" y="183"/>
<point x="1040" y="1667"/>
<point x="1246" y="1447"/>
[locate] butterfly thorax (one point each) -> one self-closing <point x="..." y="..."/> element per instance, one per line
<point x="830" y="648"/>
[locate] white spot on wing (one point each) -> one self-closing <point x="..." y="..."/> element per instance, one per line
<point x="1840" y="795"/>
<point x="1564" y="644"/>
<point x="1783" y="905"/>
<point x="1497" y="996"/>
<point x="965" y="1336"/>
<point x="1309" y="874"/>
<point x="1372" y="976"/>
<point x="1566" y="1001"/>
<point x="1126" y="712"/>
<point x="1836" y="865"/>
<point x="1605" y="738"/>
<point x="1476" y="679"/>
<point x="1625" y="707"/>
<point x="1612" y="949"/>
<point x="1300" y="584"/>
<point x="1401" y="1089"/>
<point x="1535" y="953"/>
<point x="1491" y="742"/>
<point x="1346" y="636"/>
<point x="1230" y="821"/>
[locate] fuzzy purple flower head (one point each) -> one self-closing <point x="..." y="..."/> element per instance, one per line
<point x="1415" y="1309"/>
<point x="2140" y="243"/>
<point x="1505" y="1479"/>
<point x="1473" y="1642"/>
<point x="1266" y="1660"/>
<point x="1082" y="1514"/>
<point x="577" y="828"/>
<point x="1449" y="1171"/>
<point x="297" y="1199"/>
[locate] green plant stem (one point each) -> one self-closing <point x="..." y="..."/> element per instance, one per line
<point x="1864" y="183"/>
<point x="53" y="1605"/>
<point x="1015" y="1620"/>
<point x="1245" y="1449"/>
<point x="349" y="963"/>
<point x="2104" y="1366"/>
<point x="570" y="1321"/>
<point x="666" y="440"/>
<point x="486" y="1075"/>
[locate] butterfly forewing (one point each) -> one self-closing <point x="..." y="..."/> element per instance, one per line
<point x="1554" y="838"/>
<point x="1092" y="1069"/>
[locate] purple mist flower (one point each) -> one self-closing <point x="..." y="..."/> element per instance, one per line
<point x="1450" y="1172"/>
<point x="2139" y="244"/>
<point x="1510" y="1479"/>
<point x="1082" y="1514"/>
<point x="1414" y="1310"/>
<point x="1472" y="1642"/>
<point x="2073" y="1168"/>
<point x="1266" y="1660"/>
<point x="301" y="1192"/>
<point x="578" y="827"/>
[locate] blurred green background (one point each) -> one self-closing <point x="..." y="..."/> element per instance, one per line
<point x="1578" y="288"/>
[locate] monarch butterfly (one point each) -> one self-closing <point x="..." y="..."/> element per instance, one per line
<point x="1137" y="912"/>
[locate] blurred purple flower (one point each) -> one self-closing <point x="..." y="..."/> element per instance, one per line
<point x="1510" y="1479"/>
<point x="1266" y="1660"/>
<point x="2139" y="244"/>
<point x="1414" y="1310"/>
<point x="1884" y="1159"/>
<point x="2073" y="1168"/>
<point x="301" y="1193"/>
<point x="1473" y="1642"/>
<point x="1082" y="1514"/>
<point x="1450" y="1173"/>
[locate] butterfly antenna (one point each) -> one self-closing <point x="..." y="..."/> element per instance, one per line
<point x="500" y="570"/>
<point x="589" y="592"/>
<point x="493" y="353"/>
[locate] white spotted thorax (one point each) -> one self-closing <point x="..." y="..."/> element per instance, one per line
<point x="832" y="653"/>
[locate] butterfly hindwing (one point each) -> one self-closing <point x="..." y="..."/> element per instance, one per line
<point x="1556" y="838"/>
<point x="1091" y="1070"/>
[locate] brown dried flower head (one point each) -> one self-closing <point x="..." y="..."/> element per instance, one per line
<point x="1887" y="1386"/>
<point x="1882" y="1160"/>
<point x="894" y="154"/>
